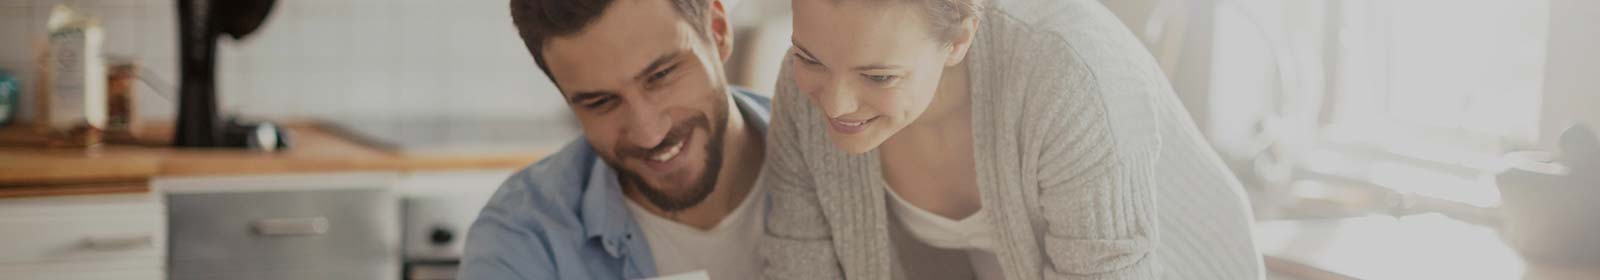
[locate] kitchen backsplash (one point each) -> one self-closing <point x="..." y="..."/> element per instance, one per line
<point x="322" y="58"/>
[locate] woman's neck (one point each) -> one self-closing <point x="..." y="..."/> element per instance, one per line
<point x="952" y="104"/>
<point x="930" y="163"/>
<point x="945" y="126"/>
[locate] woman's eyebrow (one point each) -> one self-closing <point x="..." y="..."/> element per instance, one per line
<point x="803" y="50"/>
<point x="877" y="67"/>
<point x="869" y="67"/>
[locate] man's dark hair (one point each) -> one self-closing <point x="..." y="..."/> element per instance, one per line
<point x="539" y="20"/>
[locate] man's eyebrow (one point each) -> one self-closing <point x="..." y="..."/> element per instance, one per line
<point x="587" y="95"/>
<point x="659" y="62"/>
<point x="656" y="64"/>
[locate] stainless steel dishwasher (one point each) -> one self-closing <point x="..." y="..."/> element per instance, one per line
<point x="339" y="226"/>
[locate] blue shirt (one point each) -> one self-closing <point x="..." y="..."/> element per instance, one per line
<point x="565" y="218"/>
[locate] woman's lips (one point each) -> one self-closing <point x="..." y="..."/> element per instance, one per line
<point x="849" y="126"/>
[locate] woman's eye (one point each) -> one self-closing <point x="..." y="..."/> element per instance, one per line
<point x="880" y="78"/>
<point x="805" y="60"/>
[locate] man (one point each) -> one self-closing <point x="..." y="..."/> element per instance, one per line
<point x="662" y="181"/>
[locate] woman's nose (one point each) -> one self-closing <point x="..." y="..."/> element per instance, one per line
<point x="836" y="99"/>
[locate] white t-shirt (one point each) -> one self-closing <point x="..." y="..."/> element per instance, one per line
<point x="973" y="235"/>
<point x="727" y="251"/>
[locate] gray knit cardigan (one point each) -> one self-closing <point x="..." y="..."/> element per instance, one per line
<point x="1071" y="120"/>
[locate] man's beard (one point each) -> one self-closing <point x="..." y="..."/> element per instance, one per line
<point x="699" y="189"/>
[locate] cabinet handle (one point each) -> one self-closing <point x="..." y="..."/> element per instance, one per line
<point x="291" y="226"/>
<point x="118" y="243"/>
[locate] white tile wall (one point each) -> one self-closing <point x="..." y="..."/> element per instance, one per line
<point x="324" y="58"/>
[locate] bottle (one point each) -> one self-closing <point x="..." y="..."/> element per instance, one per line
<point x="8" y="97"/>
<point x="73" y="88"/>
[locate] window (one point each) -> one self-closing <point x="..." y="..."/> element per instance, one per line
<point x="1416" y="96"/>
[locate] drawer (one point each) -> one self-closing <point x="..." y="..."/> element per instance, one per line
<point x="135" y="274"/>
<point x="80" y="205"/>
<point x="81" y="228"/>
<point x="269" y="231"/>
<point x="121" y="269"/>
<point x="370" y="270"/>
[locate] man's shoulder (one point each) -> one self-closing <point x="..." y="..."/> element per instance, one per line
<point x="760" y="103"/>
<point x="549" y="188"/>
<point x="755" y="97"/>
<point x="534" y="208"/>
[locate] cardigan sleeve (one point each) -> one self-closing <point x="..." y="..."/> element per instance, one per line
<point x="1098" y="207"/>
<point x="798" y="242"/>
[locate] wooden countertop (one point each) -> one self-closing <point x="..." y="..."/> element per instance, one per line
<point x="29" y="168"/>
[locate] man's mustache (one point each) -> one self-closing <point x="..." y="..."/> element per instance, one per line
<point x="679" y="132"/>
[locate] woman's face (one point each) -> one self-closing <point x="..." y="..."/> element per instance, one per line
<point x="872" y="68"/>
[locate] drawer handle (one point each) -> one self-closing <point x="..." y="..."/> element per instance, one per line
<point x="119" y="243"/>
<point x="291" y="226"/>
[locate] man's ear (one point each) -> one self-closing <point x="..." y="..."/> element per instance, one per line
<point x="721" y="30"/>
<point x="962" y="41"/>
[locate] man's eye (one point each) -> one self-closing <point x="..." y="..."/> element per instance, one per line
<point x="598" y="102"/>
<point x="880" y="78"/>
<point x="659" y="75"/>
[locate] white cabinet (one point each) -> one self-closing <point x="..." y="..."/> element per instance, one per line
<point x="113" y="236"/>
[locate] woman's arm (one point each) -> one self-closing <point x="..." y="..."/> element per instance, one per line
<point x="1099" y="205"/>
<point x="798" y="244"/>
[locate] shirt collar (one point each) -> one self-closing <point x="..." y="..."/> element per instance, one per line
<point x="754" y="107"/>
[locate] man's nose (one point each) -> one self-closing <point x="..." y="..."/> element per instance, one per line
<point x="647" y="124"/>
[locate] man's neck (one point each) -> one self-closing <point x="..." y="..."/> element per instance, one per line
<point x="743" y="152"/>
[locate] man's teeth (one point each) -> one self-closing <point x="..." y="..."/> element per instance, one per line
<point x="667" y="154"/>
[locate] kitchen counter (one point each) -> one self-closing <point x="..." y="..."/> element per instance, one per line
<point x="29" y="168"/>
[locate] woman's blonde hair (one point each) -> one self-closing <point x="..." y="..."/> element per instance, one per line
<point x="946" y="16"/>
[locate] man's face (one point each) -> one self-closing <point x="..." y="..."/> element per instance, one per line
<point x="651" y="97"/>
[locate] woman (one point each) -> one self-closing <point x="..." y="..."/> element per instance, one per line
<point x="925" y="139"/>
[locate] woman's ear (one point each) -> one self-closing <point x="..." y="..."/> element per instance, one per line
<point x="962" y="42"/>
<point x="721" y="31"/>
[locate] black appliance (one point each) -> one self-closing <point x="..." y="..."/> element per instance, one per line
<point x="200" y="23"/>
